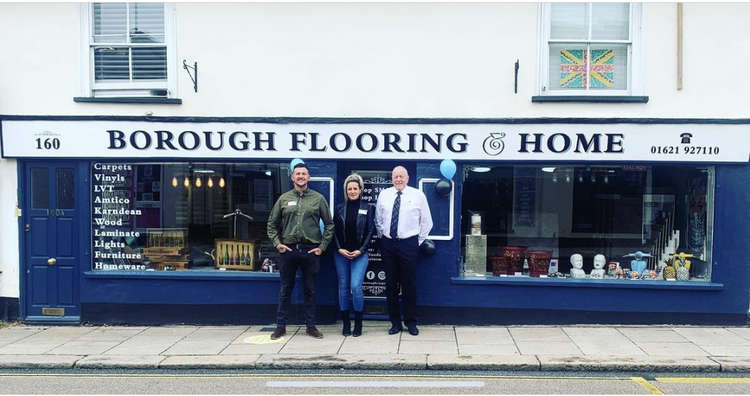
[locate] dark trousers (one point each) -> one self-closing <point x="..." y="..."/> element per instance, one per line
<point x="290" y="261"/>
<point x="400" y="261"/>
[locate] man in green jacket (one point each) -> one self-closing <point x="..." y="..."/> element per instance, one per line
<point x="294" y="230"/>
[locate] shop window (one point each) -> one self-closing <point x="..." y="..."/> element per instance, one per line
<point x="619" y="222"/>
<point x="184" y="216"/>
<point x="128" y="50"/>
<point x="590" y="49"/>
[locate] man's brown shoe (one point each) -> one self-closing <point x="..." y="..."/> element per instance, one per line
<point x="278" y="333"/>
<point x="313" y="331"/>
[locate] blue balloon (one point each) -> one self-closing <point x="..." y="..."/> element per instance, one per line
<point x="448" y="168"/>
<point x="295" y="162"/>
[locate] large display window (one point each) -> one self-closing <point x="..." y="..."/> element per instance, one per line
<point x="184" y="216"/>
<point x="630" y="222"/>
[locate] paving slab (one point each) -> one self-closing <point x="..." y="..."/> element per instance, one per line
<point x="45" y="340"/>
<point x="420" y="347"/>
<point x="704" y="336"/>
<point x="482" y="362"/>
<point x="120" y="361"/>
<point x="627" y="363"/>
<point x="38" y="361"/>
<point x="726" y="350"/>
<point x="107" y="333"/>
<point x="152" y="341"/>
<point x="544" y="334"/>
<point x="612" y="347"/>
<point x="11" y="334"/>
<point x="210" y="361"/>
<point x="205" y="341"/>
<point x="489" y="349"/>
<point x="301" y="343"/>
<point x="743" y="332"/>
<point x="672" y="349"/>
<point x="348" y="361"/>
<point x="736" y="364"/>
<point x="252" y="349"/>
<point x="651" y="335"/>
<point x="78" y="347"/>
<point x="367" y="344"/>
<point x="432" y="334"/>
<point x="548" y="348"/>
<point x="483" y="335"/>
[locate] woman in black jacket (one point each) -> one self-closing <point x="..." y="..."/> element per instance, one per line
<point x="354" y="222"/>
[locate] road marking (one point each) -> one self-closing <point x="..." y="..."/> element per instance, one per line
<point x="647" y="385"/>
<point x="685" y="380"/>
<point x="375" y="384"/>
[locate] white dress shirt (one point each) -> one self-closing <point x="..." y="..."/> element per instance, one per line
<point x="414" y="216"/>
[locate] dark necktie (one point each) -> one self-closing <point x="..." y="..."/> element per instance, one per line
<point x="394" y="215"/>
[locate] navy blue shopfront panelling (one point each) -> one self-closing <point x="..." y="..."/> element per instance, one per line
<point x="441" y="288"/>
<point x="440" y="285"/>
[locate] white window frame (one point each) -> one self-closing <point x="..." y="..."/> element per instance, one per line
<point x="91" y="88"/>
<point x="635" y="57"/>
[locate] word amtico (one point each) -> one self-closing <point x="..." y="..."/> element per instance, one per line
<point x="299" y="141"/>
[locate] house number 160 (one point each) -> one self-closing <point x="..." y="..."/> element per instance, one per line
<point x="47" y="144"/>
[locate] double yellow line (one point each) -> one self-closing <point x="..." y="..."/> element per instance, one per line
<point x="645" y="384"/>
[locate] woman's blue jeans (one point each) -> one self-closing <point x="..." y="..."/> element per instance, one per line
<point x="351" y="273"/>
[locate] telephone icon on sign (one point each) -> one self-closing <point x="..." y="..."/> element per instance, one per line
<point x="686" y="137"/>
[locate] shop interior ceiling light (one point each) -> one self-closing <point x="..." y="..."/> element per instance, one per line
<point x="480" y="169"/>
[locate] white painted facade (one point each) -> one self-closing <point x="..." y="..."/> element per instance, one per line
<point x="426" y="60"/>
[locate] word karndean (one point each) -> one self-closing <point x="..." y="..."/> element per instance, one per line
<point x="338" y="142"/>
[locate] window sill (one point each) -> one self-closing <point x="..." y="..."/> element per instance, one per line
<point x="183" y="275"/>
<point x="589" y="99"/>
<point x="136" y="100"/>
<point x="586" y="283"/>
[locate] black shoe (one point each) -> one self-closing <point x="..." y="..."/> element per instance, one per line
<point x="278" y="333"/>
<point x="395" y="329"/>
<point x="346" y="330"/>
<point x="357" y="324"/>
<point x="313" y="331"/>
<point x="413" y="330"/>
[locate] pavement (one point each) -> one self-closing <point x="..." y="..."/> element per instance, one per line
<point x="437" y="347"/>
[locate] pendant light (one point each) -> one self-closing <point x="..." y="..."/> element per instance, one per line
<point x="198" y="182"/>
<point x="210" y="182"/>
<point x="174" y="181"/>
<point x="222" y="183"/>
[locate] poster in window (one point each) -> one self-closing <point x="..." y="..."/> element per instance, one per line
<point x="524" y="197"/>
<point x="574" y="65"/>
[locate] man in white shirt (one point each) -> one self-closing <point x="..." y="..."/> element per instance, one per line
<point x="403" y="221"/>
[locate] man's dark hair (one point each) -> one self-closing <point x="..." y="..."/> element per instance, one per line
<point x="300" y="165"/>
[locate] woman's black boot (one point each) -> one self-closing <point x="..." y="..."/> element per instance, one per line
<point x="357" y="324"/>
<point x="347" y="329"/>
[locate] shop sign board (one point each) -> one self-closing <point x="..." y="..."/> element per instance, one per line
<point x="471" y="142"/>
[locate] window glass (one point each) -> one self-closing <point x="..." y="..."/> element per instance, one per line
<point x="110" y="22"/>
<point x="568" y="66"/>
<point x="541" y="217"/>
<point x="66" y="198"/>
<point x="569" y="21"/>
<point x="579" y="56"/>
<point x="128" y="43"/>
<point x="608" y="68"/>
<point x="610" y="21"/>
<point x="40" y="188"/>
<point x="184" y="216"/>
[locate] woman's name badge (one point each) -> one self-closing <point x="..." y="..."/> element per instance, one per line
<point x="292" y="203"/>
<point x="363" y="211"/>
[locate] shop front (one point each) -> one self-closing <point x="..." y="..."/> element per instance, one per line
<point x="163" y="220"/>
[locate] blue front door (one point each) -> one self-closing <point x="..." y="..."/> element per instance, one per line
<point x="51" y="242"/>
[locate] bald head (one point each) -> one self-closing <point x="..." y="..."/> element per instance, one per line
<point x="400" y="177"/>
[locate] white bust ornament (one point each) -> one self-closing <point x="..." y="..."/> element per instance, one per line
<point x="576" y="260"/>
<point x="598" y="271"/>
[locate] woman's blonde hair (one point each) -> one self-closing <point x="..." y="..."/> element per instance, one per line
<point x="353" y="178"/>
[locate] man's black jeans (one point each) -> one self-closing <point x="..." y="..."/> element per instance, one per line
<point x="290" y="261"/>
